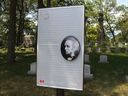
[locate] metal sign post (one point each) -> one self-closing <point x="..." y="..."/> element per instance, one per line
<point x="59" y="92"/>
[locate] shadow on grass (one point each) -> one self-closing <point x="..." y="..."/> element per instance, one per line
<point x="21" y="65"/>
<point x="14" y="80"/>
<point x="109" y="79"/>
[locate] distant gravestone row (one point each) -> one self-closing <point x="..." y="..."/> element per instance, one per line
<point x="87" y="71"/>
<point x="102" y="59"/>
<point x="107" y="50"/>
<point x="87" y="68"/>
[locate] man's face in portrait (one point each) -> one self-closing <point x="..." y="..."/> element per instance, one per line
<point x="68" y="46"/>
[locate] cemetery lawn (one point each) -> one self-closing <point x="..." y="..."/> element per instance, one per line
<point x="109" y="79"/>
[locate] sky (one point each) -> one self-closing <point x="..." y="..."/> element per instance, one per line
<point x="120" y="2"/>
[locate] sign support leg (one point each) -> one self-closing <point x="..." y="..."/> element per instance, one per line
<point x="59" y="92"/>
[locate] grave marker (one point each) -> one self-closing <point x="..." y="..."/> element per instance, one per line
<point x="87" y="72"/>
<point x="86" y="58"/>
<point x="103" y="59"/>
<point x="33" y="68"/>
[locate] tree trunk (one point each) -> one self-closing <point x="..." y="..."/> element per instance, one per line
<point x="48" y="3"/>
<point x="41" y="4"/>
<point x="21" y="24"/>
<point x="85" y="22"/>
<point x="101" y="29"/>
<point x="12" y="32"/>
<point x="85" y="26"/>
<point x="111" y="30"/>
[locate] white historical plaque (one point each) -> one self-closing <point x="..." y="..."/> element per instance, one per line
<point x="60" y="48"/>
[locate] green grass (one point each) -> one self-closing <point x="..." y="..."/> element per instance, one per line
<point x="109" y="79"/>
<point x="14" y="80"/>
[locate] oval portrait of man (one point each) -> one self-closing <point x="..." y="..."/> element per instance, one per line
<point x="70" y="48"/>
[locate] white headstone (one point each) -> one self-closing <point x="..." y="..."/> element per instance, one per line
<point x="33" y="68"/>
<point x="96" y="44"/>
<point x="117" y="49"/>
<point x="126" y="50"/>
<point x="103" y="59"/>
<point x="87" y="72"/>
<point x="108" y="50"/>
<point x="98" y="50"/>
<point x="89" y="49"/>
<point x="126" y="77"/>
<point x="120" y="45"/>
<point x="86" y="58"/>
<point x="17" y="58"/>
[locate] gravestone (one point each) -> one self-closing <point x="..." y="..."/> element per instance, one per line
<point x="89" y="49"/>
<point x="87" y="72"/>
<point x="1" y="58"/>
<point x="18" y="58"/>
<point x="117" y="50"/>
<point x="96" y="44"/>
<point x="120" y="45"/>
<point x="103" y="59"/>
<point x="86" y="58"/>
<point x="98" y="50"/>
<point x="126" y="77"/>
<point x="126" y="50"/>
<point x="108" y="50"/>
<point x="33" y="68"/>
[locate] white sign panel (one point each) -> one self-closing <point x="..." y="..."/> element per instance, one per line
<point x="60" y="47"/>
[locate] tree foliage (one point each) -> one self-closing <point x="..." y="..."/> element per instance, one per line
<point x="92" y="33"/>
<point x="122" y="24"/>
<point x="102" y="18"/>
